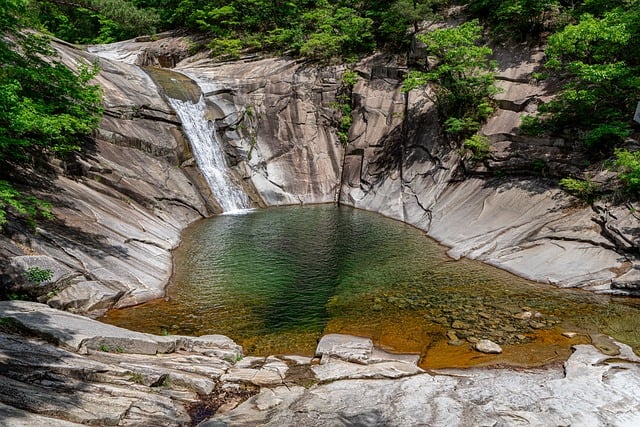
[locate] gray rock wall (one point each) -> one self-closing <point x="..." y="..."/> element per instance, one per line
<point x="506" y="210"/>
<point x="120" y="206"/>
<point x="276" y="117"/>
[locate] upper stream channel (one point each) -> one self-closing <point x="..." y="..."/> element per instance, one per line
<point x="276" y="280"/>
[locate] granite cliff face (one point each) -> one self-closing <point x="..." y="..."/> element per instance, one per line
<point x="505" y="210"/>
<point x="278" y="118"/>
<point x="122" y="204"/>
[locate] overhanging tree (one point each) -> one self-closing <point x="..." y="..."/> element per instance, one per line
<point x="45" y="107"/>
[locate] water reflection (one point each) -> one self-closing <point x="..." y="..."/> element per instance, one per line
<point x="275" y="280"/>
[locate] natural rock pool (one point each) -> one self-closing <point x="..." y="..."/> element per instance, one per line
<point x="276" y="280"/>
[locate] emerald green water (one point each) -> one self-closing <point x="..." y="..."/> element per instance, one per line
<point x="275" y="280"/>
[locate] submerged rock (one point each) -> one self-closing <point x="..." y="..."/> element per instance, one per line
<point x="190" y="383"/>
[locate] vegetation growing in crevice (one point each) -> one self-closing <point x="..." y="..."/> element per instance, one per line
<point x="581" y="188"/>
<point x="462" y="78"/>
<point x="344" y="104"/>
<point x="250" y="125"/>
<point x="478" y="145"/>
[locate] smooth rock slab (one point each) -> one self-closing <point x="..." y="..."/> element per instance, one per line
<point x="81" y="334"/>
<point x="345" y="347"/>
<point x="596" y="391"/>
<point x="14" y="417"/>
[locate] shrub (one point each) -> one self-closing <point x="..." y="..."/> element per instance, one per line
<point x="462" y="80"/>
<point x="38" y="275"/>
<point x="607" y="135"/>
<point x="230" y="48"/>
<point x="479" y="146"/>
<point x="531" y="126"/>
<point x="585" y="190"/>
<point x="628" y="165"/>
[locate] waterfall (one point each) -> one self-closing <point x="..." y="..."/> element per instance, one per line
<point x="209" y="154"/>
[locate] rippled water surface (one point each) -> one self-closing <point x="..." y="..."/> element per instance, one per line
<point x="275" y="280"/>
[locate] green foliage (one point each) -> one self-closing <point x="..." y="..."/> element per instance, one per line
<point x="349" y="78"/>
<point x="105" y="348"/>
<point x="607" y="135"/>
<point x="229" y="48"/>
<point x="392" y="20"/>
<point x="479" y="146"/>
<point x="137" y="378"/>
<point x="320" y="29"/>
<point x="628" y="165"/>
<point x="93" y="21"/>
<point x="12" y="200"/>
<point x="45" y="107"/>
<point x="343" y="104"/>
<point x="531" y="125"/>
<point x="38" y="275"/>
<point x="336" y="32"/>
<point x="586" y="190"/>
<point x="598" y="58"/>
<point x="463" y="80"/>
<point x="517" y="18"/>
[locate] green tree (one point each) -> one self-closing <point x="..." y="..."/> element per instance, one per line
<point x="93" y="21"/>
<point x="600" y="63"/>
<point x="628" y="165"/>
<point x="462" y="77"/>
<point x="45" y="108"/>
<point x="519" y="18"/>
<point x="336" y="32"/>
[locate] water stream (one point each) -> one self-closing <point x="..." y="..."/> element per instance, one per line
<point x="209" y="154"/>
<point x="275" y="280"/>
<point x="186" y="98"/>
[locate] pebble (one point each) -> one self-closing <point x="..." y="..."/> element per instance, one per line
<point x="537" y="325"/>
<point x="569" y="334"/>
<point x="457" y="324"/>
<point x="523" y="315"/>
<point x="487" y="346"/>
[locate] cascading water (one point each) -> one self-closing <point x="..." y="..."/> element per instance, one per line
<point x="209" y="155"/>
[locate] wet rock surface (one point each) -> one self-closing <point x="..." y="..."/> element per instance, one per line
<point x="504" y="210"/>
<point x="43" y="383"/>
<point x="119" y="206"/>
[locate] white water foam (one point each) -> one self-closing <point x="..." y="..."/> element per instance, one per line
<point x="209" y="155"/>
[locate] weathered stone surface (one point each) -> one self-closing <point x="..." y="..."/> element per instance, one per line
<point x="594" y="391"/>
<point x="258" y="371"/>
<point x="14" y="417"/>
<point x="111" y="388"/>
<point x="51" y="382"/>
<point x="277" y="119"/>
<point x="487" y="346"/>
<point x="120" y="206"/>
<point x="81" y="334"/>
<point x="99" y="381"/>
<point x="88" y="296"/>
<point x="519" y="223"/>
<point x="345" y="347"/>
<point x="335" y="369"/>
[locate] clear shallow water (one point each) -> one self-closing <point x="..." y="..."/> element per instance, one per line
<point x="276" y="280"/>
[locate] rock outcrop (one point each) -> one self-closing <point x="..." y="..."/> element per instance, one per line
<point x="61" y="369"/>
<point x="504" y="210"/>
<point x="119" y="206"/>
<point x="277" y="119"/>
